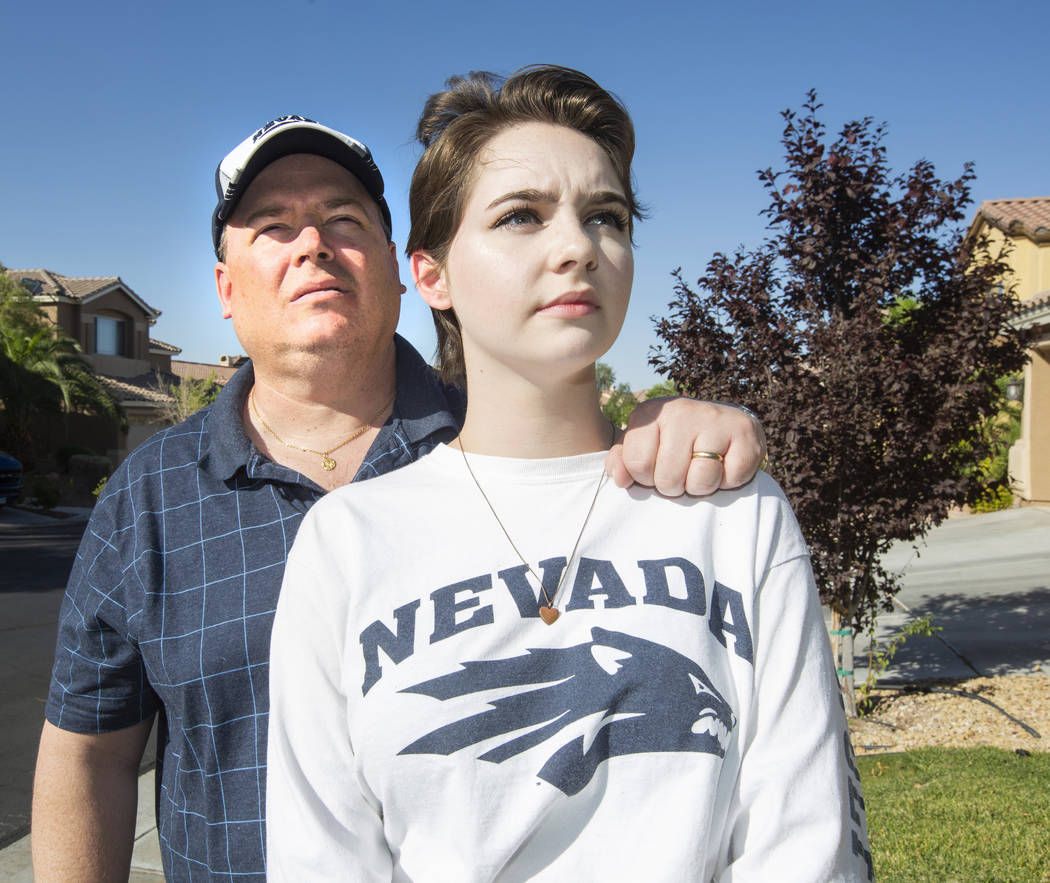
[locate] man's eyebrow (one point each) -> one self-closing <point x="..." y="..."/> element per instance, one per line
<point x="277" y="210"/>
<point x="599" y="197"/>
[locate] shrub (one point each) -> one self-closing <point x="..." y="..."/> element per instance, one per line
<point x="63" y="454"/>
<point x="44" y="490"/>
<point x="86" y="469"/>
<point x="993" y="500"/>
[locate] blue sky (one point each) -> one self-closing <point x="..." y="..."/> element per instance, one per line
<point x="118" y="112"/>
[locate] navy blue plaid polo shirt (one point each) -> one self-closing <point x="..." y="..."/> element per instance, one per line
<point x="171" y="601"/>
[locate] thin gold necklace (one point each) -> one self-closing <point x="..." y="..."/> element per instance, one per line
<point x="548" y="612"/>
<point x="328" y="462"/>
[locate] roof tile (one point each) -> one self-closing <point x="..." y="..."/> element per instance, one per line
<point x="52" y="284"/>
<point x="1027" y="216"/>
<point x="143" y="388"/>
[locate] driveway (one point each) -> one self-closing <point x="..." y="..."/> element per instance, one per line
<point x="985" y="580"/>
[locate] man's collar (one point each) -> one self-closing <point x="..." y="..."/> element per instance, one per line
<point x="228" y="446"/>
<point x="418" y="390"/>
<point x="424" y="407"/>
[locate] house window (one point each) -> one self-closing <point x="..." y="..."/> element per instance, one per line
<point x="109" y="336"/>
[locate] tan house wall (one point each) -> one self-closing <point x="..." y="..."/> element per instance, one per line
<point x="201" y="370"/>
<point x="67" y="317"/>
<point x="116" y="304"/>
<point x="1029" y="461"/>
<point x="78" y="321"/>
<point x="54" y="313"/>
<point x="1030" y="455"/>
<point x="117" y="366"/>
<point x="139" y="429"/>
<point x="1030" y="262"/>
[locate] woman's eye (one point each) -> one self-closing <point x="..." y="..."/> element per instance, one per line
<point x="610" y="218"/>
<point x="519" y="217"/>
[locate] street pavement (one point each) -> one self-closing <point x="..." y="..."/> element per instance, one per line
<point x="36" y="554"/>
<point x="984" y="579"/>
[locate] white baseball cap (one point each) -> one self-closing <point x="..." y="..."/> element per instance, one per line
<point x="282" y="137"/>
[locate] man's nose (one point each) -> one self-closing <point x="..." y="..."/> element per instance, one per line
<point x="311" y="245"/>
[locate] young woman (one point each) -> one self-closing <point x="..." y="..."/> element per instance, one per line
<point x="491" y="665"/>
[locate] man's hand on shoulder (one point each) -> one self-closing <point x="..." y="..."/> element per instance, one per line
<point x="662" y="435"/>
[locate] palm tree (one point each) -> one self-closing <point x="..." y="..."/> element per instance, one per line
<point x="41" y="370"/>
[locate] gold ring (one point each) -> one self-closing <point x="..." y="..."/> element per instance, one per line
<point x="708" y="455"/>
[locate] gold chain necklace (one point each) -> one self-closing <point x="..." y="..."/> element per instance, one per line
<point x="548" y="612"/>
<point x="328" y="462"/>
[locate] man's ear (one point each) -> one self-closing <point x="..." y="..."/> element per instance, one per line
<point x="396" y="267"/>
<point x="430" y="280"/>
<point x="224" y="288"/>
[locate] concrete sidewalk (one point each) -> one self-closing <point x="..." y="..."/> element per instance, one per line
<point x="18" y="514"/>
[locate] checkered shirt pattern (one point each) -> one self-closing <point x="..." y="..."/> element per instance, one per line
<point x="171" y="601"/>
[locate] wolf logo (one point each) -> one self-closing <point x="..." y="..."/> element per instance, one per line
<point x="649" y="697"/>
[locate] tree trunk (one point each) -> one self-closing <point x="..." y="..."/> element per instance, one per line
<point x="842" y="653"/>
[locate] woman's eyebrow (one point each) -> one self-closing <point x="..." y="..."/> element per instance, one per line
<point x="524" y="196"/>
<point x="606" y="196"/>
<point x="597" y="198"/>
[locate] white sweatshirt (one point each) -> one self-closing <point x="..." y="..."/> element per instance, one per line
<point x="679" y="721"/>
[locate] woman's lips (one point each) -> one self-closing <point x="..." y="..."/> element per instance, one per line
<point x="573" y="304"/>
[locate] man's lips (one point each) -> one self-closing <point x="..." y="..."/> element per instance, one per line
<point x="326" y="287"/>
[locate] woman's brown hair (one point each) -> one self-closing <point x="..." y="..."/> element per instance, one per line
<point x="455" y="126"/>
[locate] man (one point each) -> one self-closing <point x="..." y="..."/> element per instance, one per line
<point x="170" y="603"/>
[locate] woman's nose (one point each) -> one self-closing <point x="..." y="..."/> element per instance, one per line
<point x="574" y="245"/>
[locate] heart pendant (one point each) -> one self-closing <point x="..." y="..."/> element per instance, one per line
<point x="549" y="614"/>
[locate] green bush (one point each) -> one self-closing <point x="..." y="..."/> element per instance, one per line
<point x="993" y="500"/>
<point x="44" y="490"/>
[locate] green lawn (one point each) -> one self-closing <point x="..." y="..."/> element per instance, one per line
<point x="952" y="814"/>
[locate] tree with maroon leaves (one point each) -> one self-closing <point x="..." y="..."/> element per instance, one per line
<point x="868" y="334"/>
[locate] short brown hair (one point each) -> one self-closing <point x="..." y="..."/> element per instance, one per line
<point x="454" y="128"/>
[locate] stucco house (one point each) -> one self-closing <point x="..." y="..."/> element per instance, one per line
<point x="1025" y="223"/>
<point x="112" y="325"/>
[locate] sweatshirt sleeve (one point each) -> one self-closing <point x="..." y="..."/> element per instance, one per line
<point x="322" y="823"/>
<point x="798" y="814"/>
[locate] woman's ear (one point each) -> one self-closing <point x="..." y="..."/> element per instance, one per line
<point x="430" y="280"/>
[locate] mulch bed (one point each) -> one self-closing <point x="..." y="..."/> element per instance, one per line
<point x="905" y="719"/>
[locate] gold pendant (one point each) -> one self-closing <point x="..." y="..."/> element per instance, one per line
<point x="328" y="463"/>
<point x="549" y="614"/>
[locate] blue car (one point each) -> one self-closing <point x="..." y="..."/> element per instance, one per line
<point x="10" y="479"/>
